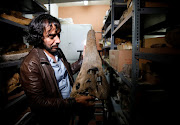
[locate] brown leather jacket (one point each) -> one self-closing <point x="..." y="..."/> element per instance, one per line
<point x="39" y="83"/>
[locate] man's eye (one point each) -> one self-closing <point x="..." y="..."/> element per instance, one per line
<point x="54" y="35"/>
<point x="58" y="35"/>
<point x="51" y="37"/>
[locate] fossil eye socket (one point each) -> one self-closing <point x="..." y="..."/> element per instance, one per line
<point x="94" y="70"/>
<point x="88" y="81"/>
<point x="77" y="86"/>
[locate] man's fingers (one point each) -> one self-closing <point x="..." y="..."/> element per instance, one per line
<point x="90" y="98"/>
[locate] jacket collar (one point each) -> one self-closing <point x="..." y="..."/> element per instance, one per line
<point x="42" y="57"/>
<point x="44" y="60"/>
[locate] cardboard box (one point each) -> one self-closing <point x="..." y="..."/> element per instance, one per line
<point x="120" y="57"/>
<point x="125" y="45"/>
<point x="152" y="41"/>
<point x="119" y="40"/>
<point x="113" y="58"/>
<point x="155" y="4"/>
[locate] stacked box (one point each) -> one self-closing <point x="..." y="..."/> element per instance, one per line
<point x="120" y="57"/>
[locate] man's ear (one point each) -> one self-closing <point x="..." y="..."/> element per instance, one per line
<point x="42" y="38"/>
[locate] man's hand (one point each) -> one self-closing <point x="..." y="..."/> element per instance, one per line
<point x="85" y="100"/>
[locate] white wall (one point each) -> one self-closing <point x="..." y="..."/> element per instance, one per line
<point x="53" y="9"/>
<point x="73" y="38"/>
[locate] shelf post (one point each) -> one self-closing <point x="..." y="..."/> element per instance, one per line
<point x="112" y="24"/>
<point x="135" y="49"/>
<point x="49" y="2"/>
<point x="135" y="39"/>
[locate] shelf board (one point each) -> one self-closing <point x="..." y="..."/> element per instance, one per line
<point x="118" y="11"/>
<point x="162" y="58"/>
<point x="154" y="28"/>
<point x="106" y="62"/>
<point x="153" y="10"/>
<point x="107" y="31"/>
<point x="24" y="6"/>
<point x="10" y="63"/>
<point x="125" y="79"/>
<point x="25" y="119"/>
<point x="42" y="8"/>
<point x="14" y="102"/>
<point x="108" y="20"/>
<point x="122" y="23"/>
<point x="13" y="23"/>
<point x="163" y="55"/>
<point x="143" y="11"/>
<point x="117" y="109"/>
<point x="120" y="4"/>
<point x="120" y="74"/>
<point x="106" y="47"/>
<point x="109" y="47"/>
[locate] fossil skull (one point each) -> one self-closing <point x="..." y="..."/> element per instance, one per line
<point x="91" y="79"/>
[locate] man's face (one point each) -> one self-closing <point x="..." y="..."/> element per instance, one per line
<point x="51" y="38"/>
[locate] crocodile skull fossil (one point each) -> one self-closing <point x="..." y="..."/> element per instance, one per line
<point x="91" y="79"/>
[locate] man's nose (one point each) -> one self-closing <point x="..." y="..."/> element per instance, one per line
<point x="57" y="39"/>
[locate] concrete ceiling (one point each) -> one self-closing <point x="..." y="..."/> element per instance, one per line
<point x="75" y="2"/>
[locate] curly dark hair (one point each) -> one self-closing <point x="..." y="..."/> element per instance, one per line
<point x="37" y="27"/>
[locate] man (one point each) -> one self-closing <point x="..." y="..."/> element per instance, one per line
<point x="47" y="77"/>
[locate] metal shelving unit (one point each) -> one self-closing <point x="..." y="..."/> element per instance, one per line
<point x="13" y="23"/>
<point x="15" y="102"/>
<point x="161" y="58"/>
<point x="10" y="109"/>
<point x="10" y="63"/>
<point x="24" y="6"/>
<point x="134" y="26"/>
<point x="117" y="7"/>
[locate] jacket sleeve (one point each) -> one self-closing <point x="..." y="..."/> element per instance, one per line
<point x="33" y="85"/>
<point x="75" y="67"/>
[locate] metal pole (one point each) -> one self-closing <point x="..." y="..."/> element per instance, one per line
<point x="135" y="40"/>
<point x="112" y="24"/>
<point x="135" y="49"/>
<point x="49" y="5"/>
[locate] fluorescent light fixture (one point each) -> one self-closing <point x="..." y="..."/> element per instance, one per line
<point x="85" y="2"/>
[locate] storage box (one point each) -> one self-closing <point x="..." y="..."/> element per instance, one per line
<point x="120" y="57"/>
<point x="155" y="4"/>
<point x="152" y="41"/>
<point x="113" y="54"/>
<point x="125" y="45"/>
<point x="119" y="40"/>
